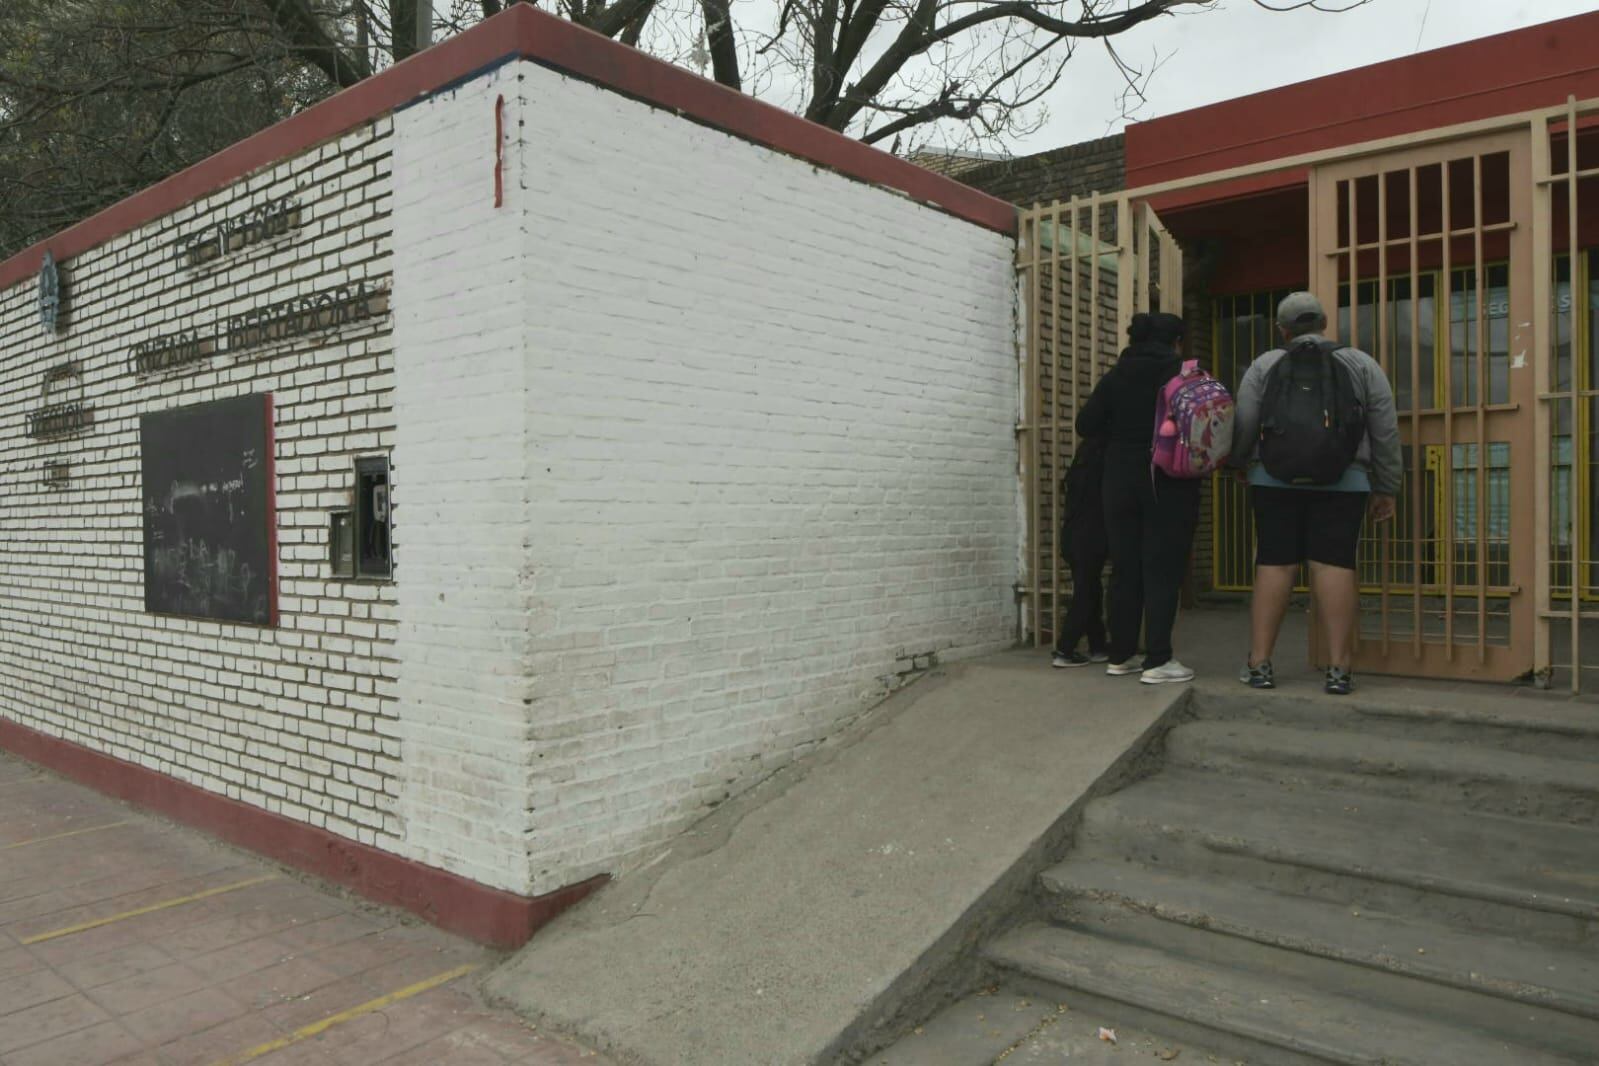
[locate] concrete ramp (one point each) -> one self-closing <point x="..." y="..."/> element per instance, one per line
<point x="837" y="892"/>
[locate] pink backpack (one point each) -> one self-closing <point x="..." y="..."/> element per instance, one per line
<point x="1193" y="424"/>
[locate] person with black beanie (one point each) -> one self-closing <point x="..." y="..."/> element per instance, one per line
<point x="1149" y="518"/>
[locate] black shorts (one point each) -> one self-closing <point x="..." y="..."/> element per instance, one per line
<point x="1294" y="526"/>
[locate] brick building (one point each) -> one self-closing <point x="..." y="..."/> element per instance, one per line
<point x="461" y="486"/>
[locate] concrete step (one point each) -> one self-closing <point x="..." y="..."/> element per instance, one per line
<point x="1507" y="875"/>
<point x="1450" y="772"/>
<point x="1506" y="720"/>
<point x="1521" y="973"/>
<point x="1551" y="1030"/>
<point x="972" y="1032"/>
<point x="1001" y="1025"/>
<point x="1264" y="1016"/>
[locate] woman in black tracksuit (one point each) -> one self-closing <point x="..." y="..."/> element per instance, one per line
<point x="1149" y="517"/>
<point x="1083" y="540"/>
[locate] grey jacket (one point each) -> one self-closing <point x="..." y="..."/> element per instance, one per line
<point x="1379" y="454"/>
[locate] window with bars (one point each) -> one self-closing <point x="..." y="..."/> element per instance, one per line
<point x="1479" y="359"/>
<point x="1574" y="462"/>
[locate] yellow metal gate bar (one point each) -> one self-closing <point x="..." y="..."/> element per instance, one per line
<point x="1577" y="394"/>
<point x="1390" y="268"/>
<point x="1085" y="267"/>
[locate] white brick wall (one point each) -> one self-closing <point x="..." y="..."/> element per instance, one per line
<point x="461" y="484"/>
<point x="300" y="719"/>
<point x="697" y="448"/>
<point x="771" y="452"/>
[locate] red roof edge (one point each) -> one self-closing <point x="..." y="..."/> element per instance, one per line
<point x="1521" y="70"/>
<point x="521" y="31"/>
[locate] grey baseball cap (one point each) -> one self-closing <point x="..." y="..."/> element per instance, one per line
<point x="1300" y="310"/>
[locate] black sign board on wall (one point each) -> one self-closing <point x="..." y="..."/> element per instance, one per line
<point x="209" y="528"/>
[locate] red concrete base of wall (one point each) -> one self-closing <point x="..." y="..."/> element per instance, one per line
<point x="487" y="915"/>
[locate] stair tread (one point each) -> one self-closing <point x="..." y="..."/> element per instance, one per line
<point x="970" y="1032"/>
<point x="1003" y="1025"/>
<point x="1487" y="706"/>
<point x="1377" y="753"/>
<point x="1262" y="1007"/>
<point x="1485" y="856"/>
<point x="1497" y="965"/>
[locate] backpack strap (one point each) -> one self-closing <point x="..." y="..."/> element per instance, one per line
<point x="1329" y="385"/>
<point x="1329" y="350"/>
<point x="1324" y="346"/>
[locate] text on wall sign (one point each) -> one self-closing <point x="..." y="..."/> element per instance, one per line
<point x="297" y="316"/>
<point x="235" y="234"/>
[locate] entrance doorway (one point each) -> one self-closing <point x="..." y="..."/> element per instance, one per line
<point x="1464" y="260"/>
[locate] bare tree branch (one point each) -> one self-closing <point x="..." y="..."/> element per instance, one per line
<point x="404" y="16"/>
<point x="310" y="42"/>
<point x="99" y="97"/>
<point x="1089" y="27"/>
<point x="635" y="29"/>
<point x="614" y="18"/>
<point x="722" y="43"/>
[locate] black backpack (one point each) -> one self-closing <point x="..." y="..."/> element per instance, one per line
<point x="1312" y="418"/>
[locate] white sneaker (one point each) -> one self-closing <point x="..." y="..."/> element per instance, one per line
<point x="1123" y="669"/>
<point x="1172" y="673"/>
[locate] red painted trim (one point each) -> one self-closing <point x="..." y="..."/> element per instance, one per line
<point x="272" y="510"/>
<point x="1227" y="192"/>
<point x="336" y="115"/>
<point x="499" y="151"/>
<point x="1504" y="74"/>
<point x="487" y="915"/>
<point x="521" y="31"/>
<point x="575" y="50"/>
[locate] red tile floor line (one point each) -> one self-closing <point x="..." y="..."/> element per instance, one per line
<point x="221" y="976"/>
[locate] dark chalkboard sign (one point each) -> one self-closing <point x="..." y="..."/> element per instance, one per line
<point x="208" y="521"/>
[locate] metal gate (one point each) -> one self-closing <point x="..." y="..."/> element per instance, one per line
<point x="1427" y="255"/>
<point x="1085" y="267"/>
<point x="1455" y="257"/>
<point x="1566" y="414"/>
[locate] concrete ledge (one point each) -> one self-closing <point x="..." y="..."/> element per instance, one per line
<point x="477" y="911"/>
<point x="847" y="892"/>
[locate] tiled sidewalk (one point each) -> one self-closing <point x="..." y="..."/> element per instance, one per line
<point x="126" y="939"/>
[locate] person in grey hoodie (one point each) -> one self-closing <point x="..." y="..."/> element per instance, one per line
<point x="1316" y="523"/>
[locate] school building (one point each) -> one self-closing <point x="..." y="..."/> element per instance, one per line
<point x="461" y="487"/>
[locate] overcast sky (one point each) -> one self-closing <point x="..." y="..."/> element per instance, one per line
<point x="1241" y="49"/>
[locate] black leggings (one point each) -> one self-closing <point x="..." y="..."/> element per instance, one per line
<point x="1087" y="551"/>
<point x="1151" y="523"/>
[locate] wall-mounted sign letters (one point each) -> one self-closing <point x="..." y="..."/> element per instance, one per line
<point x="49" y="293"/>
<point x="60" y="420"/>
<point x="300" y="315"/>
<point x="173" y="350"/>
<point x="234" y="234"/>
<point x="208" y="510"/>
<point x="57" y="474"/>
<point x="62" y="410"/>
<point x="284" y="320"/>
